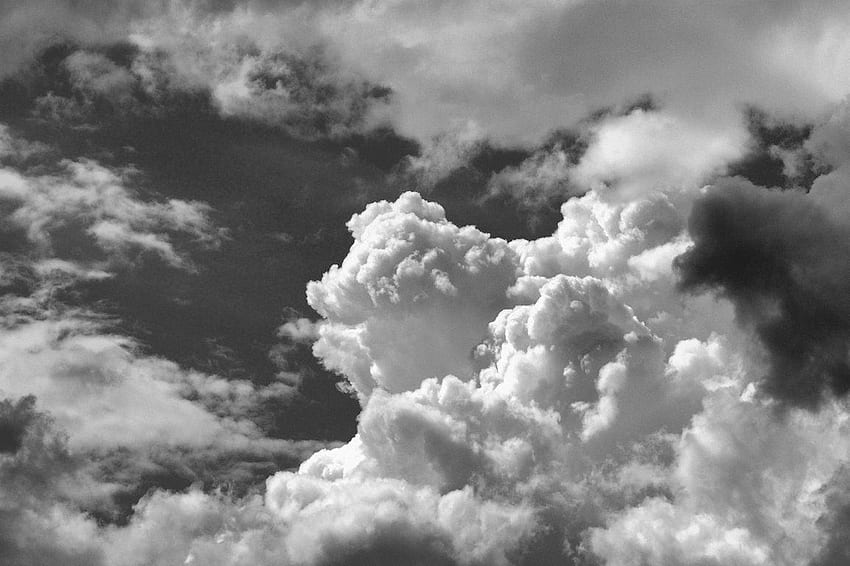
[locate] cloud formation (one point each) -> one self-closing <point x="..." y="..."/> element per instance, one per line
<point x="780" y="259"/>
<point x="639" y="356"/>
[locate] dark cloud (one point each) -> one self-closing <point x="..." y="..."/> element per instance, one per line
<point x="836" y="522"/>
<point x="391" y="544"/>
<point x="15" y="418"/>
<point x="778" y="156"/>
<point x="785" y="264"/>
<point x="36" y="472"/>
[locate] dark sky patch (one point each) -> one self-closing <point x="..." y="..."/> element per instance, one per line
<point x="785" y="265"/>
<point x="381" y="147"/>
<point x="512" y="205"/>
<point x="646" y="102"/>
<point x="285" y="205"/>
<point x="469" y="197"/>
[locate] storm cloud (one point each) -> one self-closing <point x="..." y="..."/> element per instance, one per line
<point x="783" y="261"/>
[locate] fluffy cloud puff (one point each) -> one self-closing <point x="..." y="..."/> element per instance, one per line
<point x="758" y="476"/>
<point x="750" y="497"/>
<point x="564" y="377"/>
<point x="302" y="520"/>
<point x="412" y="298"/>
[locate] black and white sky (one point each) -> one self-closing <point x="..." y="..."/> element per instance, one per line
<point x="424" y="283"/>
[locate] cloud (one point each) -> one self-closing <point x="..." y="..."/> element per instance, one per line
<point x="110" y="400"/>
<point x="392" y="307"/>
<point x="518" y="71"/>
<point x="187" y="74"/>
<point x="780" y="258"/>
<point x="567" y="396"/>
<point x="132" y="416"/>
<point x="652" y="150"/>
<point x="748" y="490"/>
<point x="516" y="409"/>
<point x="780" y="153"/>
<point x="41" y="483"/>
<point x="86" y="210"/>
<point x="560" y="382"/>
<point x="382" y="522"/>
<point x="27" y="27"/>
<point x="514" y="72"/>
<point x="835" y="550"/>
<point x="493" y="386"/>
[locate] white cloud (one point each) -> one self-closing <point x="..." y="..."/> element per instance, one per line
<point x="411" y="299"/>
<point x="89" y="206"/>
<point x="645" y="151"/>
<point x="750" y="490"/>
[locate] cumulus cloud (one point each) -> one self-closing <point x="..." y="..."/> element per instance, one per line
<point x="411" y="299"/>
<point x="512" y="397"/>
<point x="516" y="407"/>
<point x="747" y="498"/>
<point x="575" y="398"/>
<point x="565" y="375"/>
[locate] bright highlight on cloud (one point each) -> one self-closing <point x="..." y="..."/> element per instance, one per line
<point x="589" y="304"/>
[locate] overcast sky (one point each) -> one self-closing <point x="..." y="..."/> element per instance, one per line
<point x="396" y="282"/>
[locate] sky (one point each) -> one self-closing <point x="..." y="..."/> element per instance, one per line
<point x="424" y="283"/>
